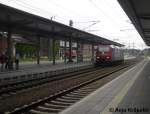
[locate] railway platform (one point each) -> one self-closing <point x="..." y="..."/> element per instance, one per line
<point x="29" y="71"/>
<point x="127" y="94"/>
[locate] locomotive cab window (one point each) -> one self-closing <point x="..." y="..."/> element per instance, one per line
<point x="104" y="49"/>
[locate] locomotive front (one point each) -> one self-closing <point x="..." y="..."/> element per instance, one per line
<point x="103" y="54"/>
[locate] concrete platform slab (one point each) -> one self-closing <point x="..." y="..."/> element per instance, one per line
<point x="119" y="92"/>
<point x="33" y="71"/>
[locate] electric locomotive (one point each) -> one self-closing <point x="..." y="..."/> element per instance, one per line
<point x="106" y="54"/>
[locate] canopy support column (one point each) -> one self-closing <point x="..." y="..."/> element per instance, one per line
<point x="9" y="52"/>
<point x="78" y="52"/>
<point x="65" y="46"/>
<point x="92" y="53"/>
<point x="53" y="51"/>
<point x="49" y="50"/>
<point x="38" y="49"/>
<point x="70" y="50"/>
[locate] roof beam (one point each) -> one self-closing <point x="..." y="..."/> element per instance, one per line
<point x="146" y="30"/>
<point x="23" y="22"/>
<point x="131" y="11"/>
<point x="144" y="16"/>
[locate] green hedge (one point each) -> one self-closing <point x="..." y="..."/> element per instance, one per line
<point x="26" y="48"/>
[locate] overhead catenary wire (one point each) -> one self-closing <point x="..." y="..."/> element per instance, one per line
<point x="110" y="6"/>
<point x="108" y="18"/>
<point x="87" y="21"/>
<point x="37" y="9"/>
<point x="28" y="2"/>
<point x="70" y="11"/>
<point x="33" y="9"/>
<point x="91" y="25"/>
<point x="55" y="15"/>
<point x="64" y="8"/>
<point x="101" y="11"/>
<point x="111" y="19"/>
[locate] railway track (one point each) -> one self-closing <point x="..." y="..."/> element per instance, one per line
<point x="12" y="89"/>
<point x="59" y="101"/>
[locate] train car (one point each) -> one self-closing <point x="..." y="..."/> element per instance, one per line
<point x="108" y="54"/>
<point x="73" y="53"/>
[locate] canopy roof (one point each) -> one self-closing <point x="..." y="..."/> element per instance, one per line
<point x="30" y="25"/>
<point x="139" y="13"/>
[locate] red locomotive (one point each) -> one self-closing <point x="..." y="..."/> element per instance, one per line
<point x="106" y="54"/>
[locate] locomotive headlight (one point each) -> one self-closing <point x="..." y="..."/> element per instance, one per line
<point x="97" y="57"/>
<point x="107" y="57"/>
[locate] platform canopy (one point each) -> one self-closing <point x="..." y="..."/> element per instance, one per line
<point x="30" y="25"/>
<point x="139" y="13"/>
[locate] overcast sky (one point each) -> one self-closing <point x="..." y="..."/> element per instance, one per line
<point x="101" y="17"/>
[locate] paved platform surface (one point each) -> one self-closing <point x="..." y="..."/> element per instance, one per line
<point x="127" y="94"/>
<point x="31" y="67"/>
<point x="129" y="57"/>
